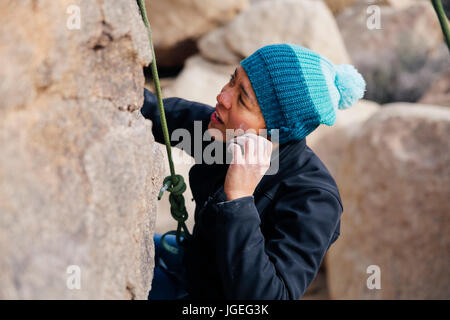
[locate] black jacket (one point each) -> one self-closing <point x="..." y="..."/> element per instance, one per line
<point x="266" y="246"/>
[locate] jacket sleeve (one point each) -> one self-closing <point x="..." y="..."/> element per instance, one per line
<point x="180" y="114"/>
<point x="282" y="266"/>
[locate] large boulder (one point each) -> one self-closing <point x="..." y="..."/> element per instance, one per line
<point x="402" y="58"/>
<point x="304" y="22"/>
<point x="200" y="81"/>
<point x="337" y="6"/>
<point x="391" y="3"/>
<point x="177" y="24"/>
<point x="79" y="172"/>
<point x="439" y="92"/>
<point x="394" y="180"/>
<point x="213" y="47"/>
<point x="330" y="142"/>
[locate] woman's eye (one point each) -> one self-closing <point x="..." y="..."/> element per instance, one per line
<point x="242" y="101"/>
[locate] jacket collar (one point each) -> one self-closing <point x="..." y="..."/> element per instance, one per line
<point x="287" y="156"/>
<point x="289" y="152"/>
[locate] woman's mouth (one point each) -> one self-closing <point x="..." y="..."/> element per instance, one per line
<point x="215" y="118"/>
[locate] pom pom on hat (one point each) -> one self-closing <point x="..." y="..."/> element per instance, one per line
<point x="350" y="84"/>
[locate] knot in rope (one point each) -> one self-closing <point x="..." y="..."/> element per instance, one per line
<point x="176" y="186"/>
<point x="173" y="183"/>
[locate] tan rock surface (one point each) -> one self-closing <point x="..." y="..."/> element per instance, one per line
<point x="78" y="169"/>
<point x="329" y="143"/>
<point x="304" y="22"/>
<point x="394" y="183"/>
<point x="200" y="80"/>
<point x="439" y="92"/>
<point x="337" y="6"/>
<point x="401" y="58"/>
<point x="213" y="46"/>
<point x="177" y="24"/>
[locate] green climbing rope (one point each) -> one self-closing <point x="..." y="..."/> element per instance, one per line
<point x="437" y="4"/>
<point x="174" y="183"/>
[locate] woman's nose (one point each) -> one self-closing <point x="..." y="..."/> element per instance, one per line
<point x="224" y="98"/>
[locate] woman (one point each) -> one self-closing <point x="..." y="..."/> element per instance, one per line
<point x="258" y="236"/>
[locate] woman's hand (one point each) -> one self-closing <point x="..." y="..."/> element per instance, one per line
<point x="246" y="170"/>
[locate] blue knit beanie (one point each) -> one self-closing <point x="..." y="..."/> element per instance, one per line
<point x="298" y="89"/>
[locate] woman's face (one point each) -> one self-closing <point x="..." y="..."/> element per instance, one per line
<point x="237" y="108"/>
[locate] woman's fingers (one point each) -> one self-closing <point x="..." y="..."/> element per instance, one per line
<point x="264" y="149"/>
<point x="264" y="154"/>
<point x="257" y="149"/>
<point x="250" y="147"/>
<point x="247" y="141"/>
<point x="236" y="150"/>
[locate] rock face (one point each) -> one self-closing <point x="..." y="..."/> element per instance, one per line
<point x="213" y="47"/>
<point x="303" y="22"/>
<point x="394" y="183"/>
<point x="337" y="6"/>
<point x="402" y="58"/>
<point x="200" y="81"/>
<point x="174" y="21"/>
<point x="330" y="142"/>
<point x="392" y="3"/>
<point x="79" y="172"/>
<point x="439" y="92"/>
<point x="176" y="24"/>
